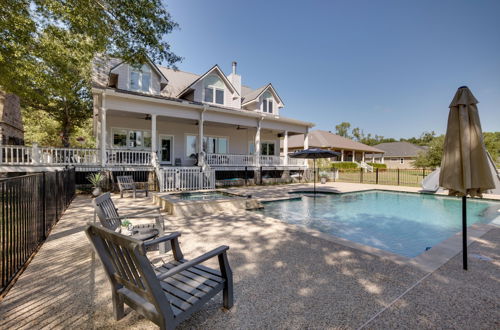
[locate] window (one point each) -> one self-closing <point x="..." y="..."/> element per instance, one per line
<point x="211" y="145"/>
<point x="191" y="145"/>
<point x="120" y="138"/>
<point x="125" y="138"/>
<point x="213" y="90"/>
<point x="267" y="149"/>
<point x="140" y="78"/>
<point x="267" y="102"/>
<point x="135" y="139"/>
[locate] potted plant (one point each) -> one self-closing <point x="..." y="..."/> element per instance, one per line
<point x="95" y="179"/>
<point x="127" y="228"/>
<point x="323" y="177"/>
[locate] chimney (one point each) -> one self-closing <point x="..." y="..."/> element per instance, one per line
<point x="234" y="78"/>
<point x="234" y="66"/>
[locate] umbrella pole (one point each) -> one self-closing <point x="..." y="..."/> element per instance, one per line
<point x="314" y="174"/>
<point x="464" y="231"/>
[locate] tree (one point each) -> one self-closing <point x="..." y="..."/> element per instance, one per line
<point x="342" y="129"/>
<point x="492" y="143"/>
<point x="433" y="155"/>
<point x="47" y="48"/>
<point x="357" y="134"/>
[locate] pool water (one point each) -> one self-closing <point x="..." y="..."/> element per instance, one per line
<point x="204" y="196"/>
<point x="403" y="223"/>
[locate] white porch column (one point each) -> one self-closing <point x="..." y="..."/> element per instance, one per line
<point x="257" y="143"/>
<point x="306" y="139"/>
<point x="285" y="148"/>
<point x="342" y="155"/>
<point x="353" y="156"/>
<point x="103" y="130"/>
<point x="154" y="142"/>
<point x="200" y="138"/>
<point x="363" y="156"/>
<point x="382" y="159"/>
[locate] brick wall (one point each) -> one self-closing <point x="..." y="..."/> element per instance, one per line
<point x="11" y="125"/>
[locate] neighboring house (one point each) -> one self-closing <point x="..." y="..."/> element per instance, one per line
<point x="11" y="124"/>
<point x="398" y="154"/>
<point x="350" y="150"/>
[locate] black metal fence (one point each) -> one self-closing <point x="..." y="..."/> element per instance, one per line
<point x="396" y="177"/>
<point x="30" y="205"/>
<point x="146" y="178"/>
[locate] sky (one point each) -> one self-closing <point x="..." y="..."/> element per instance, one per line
<point x="388" y="67"/>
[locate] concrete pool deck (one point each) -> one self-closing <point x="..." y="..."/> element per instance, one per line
<point x="284" y="278"/>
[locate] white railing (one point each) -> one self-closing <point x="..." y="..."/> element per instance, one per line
<point x="186" y="178"/>
<point x="251" y="160"/>
<point x="270" y="160"/>
<point x="16" y="155"/>
<point x="35" y="155"/>
<point x="65" y="156"/>
<point x="366" y="166"/>
<point x="294" y="161"/>
<point x="228" y="160"/>
<point x="128" y="157"/>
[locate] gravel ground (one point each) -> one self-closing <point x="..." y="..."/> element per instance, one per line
<point x="283" y="278"/>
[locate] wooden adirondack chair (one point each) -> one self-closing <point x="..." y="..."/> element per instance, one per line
<point x="168" y="294"/>
<point x="109" y="217"/>
<point x="127" y="183"/>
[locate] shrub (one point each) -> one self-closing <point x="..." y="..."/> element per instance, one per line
<point x="378" y="165"/>
<point x="343" y="165"/>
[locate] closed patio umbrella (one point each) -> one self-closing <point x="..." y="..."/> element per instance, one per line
<point x="314" y="153"/>
<point x="464" y="167"/>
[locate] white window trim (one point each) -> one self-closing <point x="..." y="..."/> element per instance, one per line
<point x="112" y="144"/>
<point x="139" y="71"/>
<point x="267" y="100"/>
<point x="268" y="142"/>
<point x="214" y="96"/>
<point x="172" y="147"/>
<point x="204" y="136"/>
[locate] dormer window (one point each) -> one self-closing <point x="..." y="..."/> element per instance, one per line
<point x="214" y="90"/>
<point x="140" y="79"/>
<point x="267" y="102"/>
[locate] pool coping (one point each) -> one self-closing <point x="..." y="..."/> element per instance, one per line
<point x="427" y="261"/>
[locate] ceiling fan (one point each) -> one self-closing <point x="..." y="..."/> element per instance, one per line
<point x="148" y="117"/>
<point x="239" y="127"/>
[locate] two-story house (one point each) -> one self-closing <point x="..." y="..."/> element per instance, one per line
<point x="170" y="118"/>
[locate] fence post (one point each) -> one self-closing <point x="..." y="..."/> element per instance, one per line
<point x="423" y="173"/>
<point x="376" y="176"/>
<point x="246" y="175"/>
<point x="398" y="176"/>
<point x="261" y="175"/>
<point x="44" y="206"/>
<point x="360" y="175"/>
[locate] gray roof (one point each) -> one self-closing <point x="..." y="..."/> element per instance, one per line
<point x="177" y="80"/>
<point x="400" y="149"/>
<point x="324" y="139"/>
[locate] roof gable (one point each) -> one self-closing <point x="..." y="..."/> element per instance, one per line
<point x="254" y="95"/>
<point x="163" y="79"/>
<point x="215" y="69"/>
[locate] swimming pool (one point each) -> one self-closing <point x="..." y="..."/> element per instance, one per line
<point x="403" y="223"/>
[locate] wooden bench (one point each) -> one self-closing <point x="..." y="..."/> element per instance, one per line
<point x="127" y="183"/>
<point x="168" y="294"/>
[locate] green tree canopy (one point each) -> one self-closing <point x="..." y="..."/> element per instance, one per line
<point x="47" y="48"/>
<point x="342" y="129"/>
